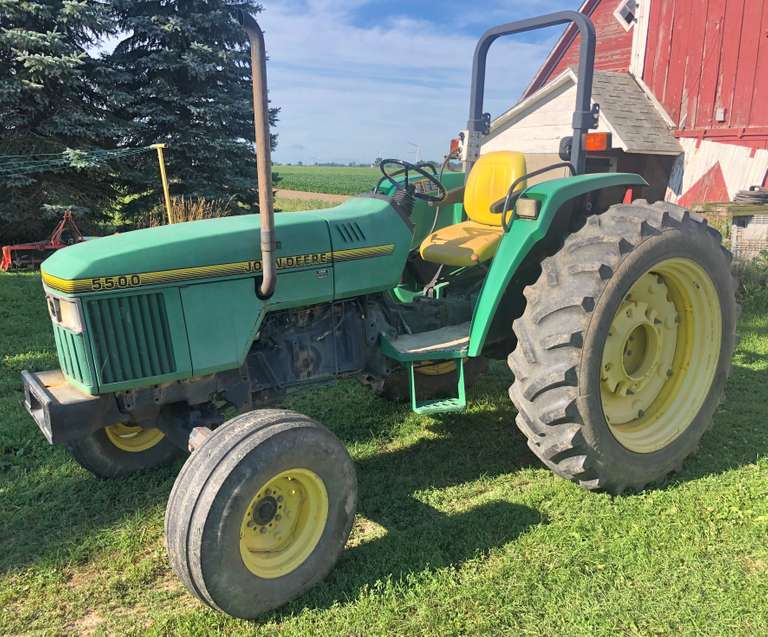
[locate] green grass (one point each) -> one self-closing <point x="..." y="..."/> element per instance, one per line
<point x="299" y="205"/>
<point x="460" y="529"/>
<point x="339" y="180"/>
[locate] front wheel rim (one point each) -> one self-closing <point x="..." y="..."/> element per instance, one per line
<point x="133" y="438"/>
<point x="283" y="523"/>
<point x="660" y="355"/>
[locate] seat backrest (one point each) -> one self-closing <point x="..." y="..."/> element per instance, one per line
<point x="489" y="180"/>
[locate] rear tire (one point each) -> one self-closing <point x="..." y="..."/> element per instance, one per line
<point x="260" y="512"/>
<point x="121" y="450"/>
<point x="624" y="346"/>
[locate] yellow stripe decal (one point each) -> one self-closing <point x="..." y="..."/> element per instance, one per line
<point x="139" y="279"/>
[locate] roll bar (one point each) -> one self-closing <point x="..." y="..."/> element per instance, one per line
<point x="584" y="116"/>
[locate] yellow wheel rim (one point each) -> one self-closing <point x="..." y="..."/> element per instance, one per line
<point x="432" y="368"/>
<point x="660" y="356"/>
<point x="283" y="523"/>
<point x="133" y="438"/>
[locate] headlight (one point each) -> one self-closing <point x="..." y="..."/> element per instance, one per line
<point x="66" y="313"/>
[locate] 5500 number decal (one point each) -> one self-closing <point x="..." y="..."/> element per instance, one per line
<point x="115" y="282"/>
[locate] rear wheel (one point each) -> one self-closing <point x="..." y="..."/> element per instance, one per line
<point x="122" y="449"/>
<point x="260" y="512"/>
<point x="624" y="346"/>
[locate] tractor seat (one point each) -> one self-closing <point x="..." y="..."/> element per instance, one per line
<point x="477" y="239"/>
<point x="463" y="244"/>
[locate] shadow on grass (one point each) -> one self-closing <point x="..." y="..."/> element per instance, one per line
<point x="432" y="541"/>
<point x="419" y="537"/>
<point x="52" y="510"/>
<point x="738" y="436"/>
<point x="56" y="511"/>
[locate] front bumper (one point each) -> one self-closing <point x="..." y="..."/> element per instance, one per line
<point x="62" y="412"/>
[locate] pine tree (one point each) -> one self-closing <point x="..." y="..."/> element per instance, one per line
<point x="49" y="101"/>
<point x="182" y="77"/>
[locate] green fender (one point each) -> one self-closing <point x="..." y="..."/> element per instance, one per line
<point x="525" y="233"/>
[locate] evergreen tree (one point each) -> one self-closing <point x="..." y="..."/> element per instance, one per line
<point x="49" y="101"/>
<point x="182" y="77"/>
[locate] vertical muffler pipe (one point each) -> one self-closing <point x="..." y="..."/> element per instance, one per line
<point x="263" y="150"/>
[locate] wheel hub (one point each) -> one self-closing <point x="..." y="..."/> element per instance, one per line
<point x="265" y="510"/>
<point x="660" y="355"/>
<point x="639" y="350"/>
<point x="283" y="523"/>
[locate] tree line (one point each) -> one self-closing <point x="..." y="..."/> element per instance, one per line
<point x="119" y="74"/>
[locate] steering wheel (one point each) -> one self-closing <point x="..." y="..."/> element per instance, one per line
<point x="419" y="169"/>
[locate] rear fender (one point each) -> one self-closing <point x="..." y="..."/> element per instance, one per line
<point x="525" y="234"/>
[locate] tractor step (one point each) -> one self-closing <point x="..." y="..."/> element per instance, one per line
<point x="447" y="343"/>
<point x="438" y="405"/>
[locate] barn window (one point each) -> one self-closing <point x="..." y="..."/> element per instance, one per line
<point x="626" y="13"/>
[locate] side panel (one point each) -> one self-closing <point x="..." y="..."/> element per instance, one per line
<point x="370" y="243"/>
<point x="223" y="318"/>
<point x="524" y="234"/>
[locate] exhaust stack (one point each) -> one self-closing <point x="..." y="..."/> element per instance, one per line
<point x="263" y="150"/>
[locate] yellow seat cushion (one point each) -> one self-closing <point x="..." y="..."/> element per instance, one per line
<point x="463" y="244"/>
<point x="489" y="181"/>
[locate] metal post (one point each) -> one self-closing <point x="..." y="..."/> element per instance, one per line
<point x="263" y="151"/>
<point x="164" y="178"/>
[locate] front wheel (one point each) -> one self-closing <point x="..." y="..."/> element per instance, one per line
<point x="624" y="346"/>
<point x="260" y="512"/>
<point x="120" y="450"/>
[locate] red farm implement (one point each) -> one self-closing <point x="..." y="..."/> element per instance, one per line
<point x="30" y="255"/>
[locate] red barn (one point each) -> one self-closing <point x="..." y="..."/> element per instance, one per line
<point x="683" y="87"/>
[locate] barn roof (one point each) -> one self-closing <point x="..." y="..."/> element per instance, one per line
<point x="629" y="112"/>
<point x="632" y="113"/>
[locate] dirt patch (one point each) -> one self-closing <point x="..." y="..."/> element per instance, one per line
<point x="310" y="196"/>
<point x="755" y="565"/>
<point x="86" y="625"/>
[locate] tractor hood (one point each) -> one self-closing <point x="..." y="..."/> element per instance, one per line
<point x="182" y="246"/>
<point x="361" y="228"/>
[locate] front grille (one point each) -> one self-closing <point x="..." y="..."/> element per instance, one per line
<point x="72" y="355"/>
<point x="130" y="338"/>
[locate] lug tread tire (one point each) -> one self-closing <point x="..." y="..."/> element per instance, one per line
<point x="552" y="331"/>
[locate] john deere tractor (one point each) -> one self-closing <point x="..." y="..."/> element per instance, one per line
<point x="617" y="321"/>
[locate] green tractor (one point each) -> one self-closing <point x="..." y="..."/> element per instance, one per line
<point x="617" y="321"/>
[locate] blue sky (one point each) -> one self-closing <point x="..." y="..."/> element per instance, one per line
<point x="360" y="78"/>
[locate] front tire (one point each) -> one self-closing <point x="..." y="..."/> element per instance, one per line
<point x="120" y="450"/>
<point x="624" y="346"/>
<point x="260" y="512"/>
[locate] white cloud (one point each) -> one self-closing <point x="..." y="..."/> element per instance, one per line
<point x="351" y="92"/>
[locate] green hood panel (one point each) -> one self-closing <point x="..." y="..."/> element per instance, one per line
<point x="364" y="242"/>
<point x="186" y="245"/>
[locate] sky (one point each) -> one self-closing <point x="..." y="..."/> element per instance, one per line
<point x="359" y="79"/>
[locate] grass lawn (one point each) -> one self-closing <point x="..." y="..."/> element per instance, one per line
<point x="284" y="204"/>
<point x="460" y="530"/>
<point x="340" y="180"/>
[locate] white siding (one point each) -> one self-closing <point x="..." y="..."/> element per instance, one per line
<point x="539" y="128"/>
<point x="742" y="166"/>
